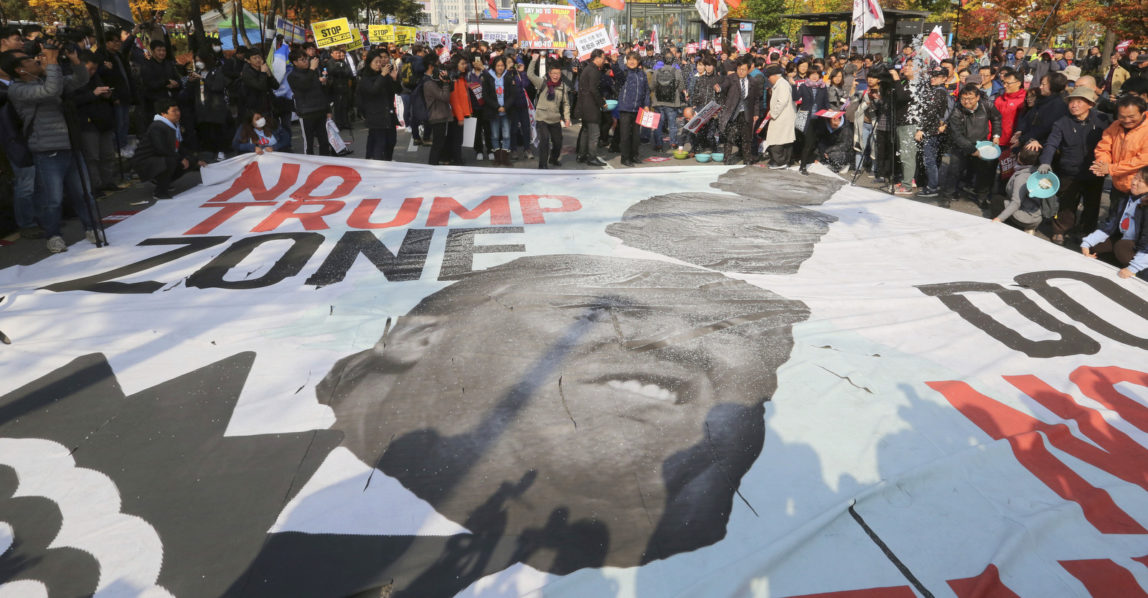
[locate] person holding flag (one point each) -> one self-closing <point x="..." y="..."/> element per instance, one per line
<point x="867" y="14"/>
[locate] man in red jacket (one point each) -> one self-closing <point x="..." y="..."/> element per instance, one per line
<point x="1010" y="103"/>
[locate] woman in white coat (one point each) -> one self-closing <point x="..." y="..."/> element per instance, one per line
<point x="780" y="135"/>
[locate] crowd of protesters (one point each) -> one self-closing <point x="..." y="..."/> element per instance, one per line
<point x="977" y="125"/>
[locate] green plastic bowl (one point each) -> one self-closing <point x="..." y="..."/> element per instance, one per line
<point x="681" y="154"/>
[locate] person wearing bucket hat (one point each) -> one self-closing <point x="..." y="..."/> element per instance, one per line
<point x="1073" y="139"/>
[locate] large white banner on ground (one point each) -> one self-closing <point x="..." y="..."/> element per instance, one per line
<point x="318" y="377"/>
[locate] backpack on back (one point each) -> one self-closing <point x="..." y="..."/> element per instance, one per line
<point x="665" y="88"/>
<point x="407" y="76"/>
<point x="419" y="113"/>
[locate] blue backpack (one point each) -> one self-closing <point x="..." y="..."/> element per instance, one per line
<point x="419" y="114"/>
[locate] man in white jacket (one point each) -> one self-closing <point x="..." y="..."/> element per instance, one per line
<point x="780" y="135"/>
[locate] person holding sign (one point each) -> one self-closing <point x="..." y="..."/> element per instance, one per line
<point x="311" y="102"/>
<point x="551" y="111"/>
<point x="633" y="96"/>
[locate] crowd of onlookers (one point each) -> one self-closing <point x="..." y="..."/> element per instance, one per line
<point x="978" y="125"/>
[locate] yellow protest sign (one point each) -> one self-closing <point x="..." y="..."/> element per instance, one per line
<point x="405" y="35"/>
<point x="381" y="34"/>
<point x="332" y="33"/>
<point x="357" y="42"/>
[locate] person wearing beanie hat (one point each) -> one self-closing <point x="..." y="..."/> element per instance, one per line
<point x="1071" y="146"/>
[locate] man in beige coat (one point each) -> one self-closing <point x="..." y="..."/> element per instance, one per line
<point x="780" y="135"/>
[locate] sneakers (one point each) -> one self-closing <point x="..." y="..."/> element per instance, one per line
<point x="902" y="189"/>
<point x="90" y="235"/>
<point x="219" y="157"/>
<point x="926" y="192"/>
<point x="56" y="244"/>
<point x="777" y="166"/>
<point x="478" y="156"/>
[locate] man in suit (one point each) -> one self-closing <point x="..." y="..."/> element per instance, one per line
<point x="161" y="156"/>
<point x="742" y="101"/>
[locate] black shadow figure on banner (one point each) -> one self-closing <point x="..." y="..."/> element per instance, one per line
<point x="569" y="411"/>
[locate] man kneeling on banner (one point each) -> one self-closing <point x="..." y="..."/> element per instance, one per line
<point x="1123" y="239"/>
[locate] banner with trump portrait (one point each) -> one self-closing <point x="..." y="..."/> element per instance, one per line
<point x="328" y="377"/>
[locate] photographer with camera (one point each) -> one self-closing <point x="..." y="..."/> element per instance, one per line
<point x="311" y="101"/>
<point x="15" y="147"/>
<point x="97" y="121"/>
<point x="37" y="94"/>
<point x="436" y="93"/>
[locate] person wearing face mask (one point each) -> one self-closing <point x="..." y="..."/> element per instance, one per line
<point x="259" y="134"/>
<point x="209" y="93"/>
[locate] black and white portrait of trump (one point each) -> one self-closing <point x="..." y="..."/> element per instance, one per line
<point x="612" y="404"/>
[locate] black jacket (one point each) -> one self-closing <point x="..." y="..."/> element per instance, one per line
<point x="210" y="97"/>
<point x="731" y="90"/>
<point x="1037" y="122"/>
<point x="11" y="139"/>
<point x="155" y="77"/>
<point x="118" y="77"/>
<point x="340" y="78"/>
<point x="93" y="112"/>
<point x="256" y="88"/>
<point x="310" y="97"/>
<point x="812" y="98"/>
<point x="901" y="95"/>
<point x="1076" y="141"/>
<point x="967" y="128"/>
<point x="590" y="100"/>
<point x="512" y="94"/>
<point x="159" y="141"/>
<point x="377" y="99"/>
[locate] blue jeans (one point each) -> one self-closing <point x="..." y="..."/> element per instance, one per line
<point x="123" y="118"/>
<point x="500" y="132"/>
<point x="932" y="150"/>
<point x="57" y="173"/>
<point x="866" y="132"/>
<point x="670" y="120"/>
<point x="23" y="190"/>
